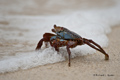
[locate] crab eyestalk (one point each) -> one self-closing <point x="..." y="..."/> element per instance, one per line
<point x="53" y="30"/>
<point x="58" y="28"/>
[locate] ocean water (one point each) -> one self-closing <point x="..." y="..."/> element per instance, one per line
<point x="92" y="24"/>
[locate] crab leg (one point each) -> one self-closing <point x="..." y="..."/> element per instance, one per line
<point x="69" y="54"/>
<point x="39" y="44"/>
<point x="88" y="42"/>
<point x="46" y="38"/>
<point x="70" y="44"/>
<point x="56" y="47"/>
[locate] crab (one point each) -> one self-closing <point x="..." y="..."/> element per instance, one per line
<point x="70" y="39"/>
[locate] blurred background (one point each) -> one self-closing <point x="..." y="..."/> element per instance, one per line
<point x="47" y="7"/>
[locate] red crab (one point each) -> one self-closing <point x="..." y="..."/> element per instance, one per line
<point x="70" y="39"/>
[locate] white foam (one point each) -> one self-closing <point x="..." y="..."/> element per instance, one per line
<point x="92" y="24"/>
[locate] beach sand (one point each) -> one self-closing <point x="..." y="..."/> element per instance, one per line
<point x="92" y="67"/>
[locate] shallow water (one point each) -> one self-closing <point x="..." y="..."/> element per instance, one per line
<point x="20" y="34"/>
